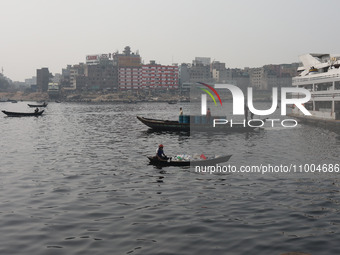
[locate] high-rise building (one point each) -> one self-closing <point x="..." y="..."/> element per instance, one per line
<point x="129" y="69"/>
<point x="43" y="76"/>
<point x="200" y="72"/>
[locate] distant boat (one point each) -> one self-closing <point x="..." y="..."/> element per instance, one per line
<point x="57" y="101"/>
<point x="13" y="101"/>
<point x="22" y="114"/>
<point x="37" y="105"/>
<point x="172" y="102"/>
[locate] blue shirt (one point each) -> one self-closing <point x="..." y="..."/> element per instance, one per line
<point x="160" y="152"/>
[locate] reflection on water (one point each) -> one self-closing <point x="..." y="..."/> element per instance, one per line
<point x="77" y="181"/>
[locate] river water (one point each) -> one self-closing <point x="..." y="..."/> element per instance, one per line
<point x="77" y="181"/>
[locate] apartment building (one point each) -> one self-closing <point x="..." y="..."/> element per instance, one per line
<point x="129" y="69"/>
<point x="129" y="78"/>
<point x="159" y="76"/>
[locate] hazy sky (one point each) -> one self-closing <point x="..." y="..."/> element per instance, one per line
<point x="241" y="33"/>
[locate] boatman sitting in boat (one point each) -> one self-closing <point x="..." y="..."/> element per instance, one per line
<point x="36" y="110"/>
<point x="160" y="153"/>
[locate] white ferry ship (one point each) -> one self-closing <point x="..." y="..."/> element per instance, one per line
<point x="320" y="74"/>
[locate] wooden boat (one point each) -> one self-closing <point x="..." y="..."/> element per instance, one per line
<point x="38" y="105"/>
<point x="170" y="125"/>
<point x="206" y="162"/>
<point x="22" y="114"/>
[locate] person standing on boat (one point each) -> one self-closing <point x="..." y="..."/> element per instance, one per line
<point x="251" y="115"/>
<point x="208" y="115"/>
<point x="246" y="110"/>
<point x="160" y="153"/>
<point x="180" y="111"/>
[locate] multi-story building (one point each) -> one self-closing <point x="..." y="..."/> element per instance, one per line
<point x="75" y="72"/>
<point x="257" y="78"/>
<point x="241" y="78"/>
<point x="30" y="81"/>
<point x="129" y="78"/>
<point x="127" y="58"/>
<point x="159" y="76"/>
<point x="65" y="77"/>
<point x="222" y="76"/>
<point x="43" y="77"/>
<point x="129" y="69"/>
<point x="219" y="66"/>
<point x="200" y="72"/>
<point x="102" y="76"/>
<point x="202" y="60"/>
<point x="184" y="76"/>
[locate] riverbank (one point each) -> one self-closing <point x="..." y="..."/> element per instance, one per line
<point x="91" y="97"/>
<point x="22" y="96"/>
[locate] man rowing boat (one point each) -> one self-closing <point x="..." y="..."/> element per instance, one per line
<point x="160" y="153"/>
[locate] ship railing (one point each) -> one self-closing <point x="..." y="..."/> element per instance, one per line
<point x="313" y="78"/>
<point x="317" y="95"/>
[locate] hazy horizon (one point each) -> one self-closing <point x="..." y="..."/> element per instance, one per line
<point x="53" y="34"/>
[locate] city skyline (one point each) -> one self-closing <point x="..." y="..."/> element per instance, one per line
<point x="53" y="34"/>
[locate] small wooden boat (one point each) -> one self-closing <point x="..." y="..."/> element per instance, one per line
<point x="206" y="162"/>
<point x="38" y="105"/>
<point x="22" y="114"/>
<point x="170" y="125"/>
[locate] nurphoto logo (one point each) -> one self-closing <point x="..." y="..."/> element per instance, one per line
<point x="240" y="106"/>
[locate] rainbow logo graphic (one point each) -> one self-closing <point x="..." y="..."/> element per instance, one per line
<point x="209" y="93"/>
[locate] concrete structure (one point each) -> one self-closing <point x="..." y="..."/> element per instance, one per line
<point x="129" y="78"/>
<point x="31" y="81"/>
<point x="222" y="76"/>
<point x="43" y="78"/>
<point x="200" y="72"/>
<point x="75" y="72"/>
<point x="127" y="58"/>
<point x="53" y="89"/>
<point x="202" y="60"/>
<point x="159" y="76"/>
<point x="102" y="76"/>
<point x="129" y="69"/>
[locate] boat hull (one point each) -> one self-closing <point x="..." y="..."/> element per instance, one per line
<point x="168" y="125"/>
<point x="37" y="105"/>
<point x="22" y="114"/>
<point x="155" y="161"/>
